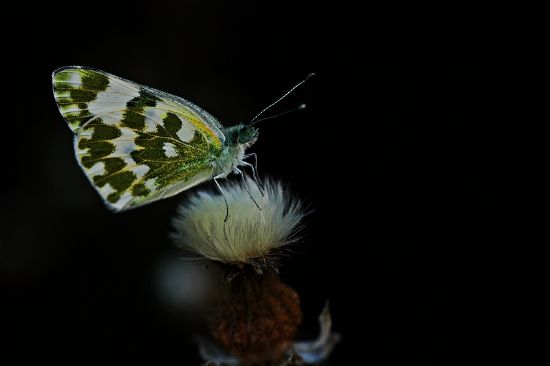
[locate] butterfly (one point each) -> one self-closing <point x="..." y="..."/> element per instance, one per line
<point x="137" y="144"/>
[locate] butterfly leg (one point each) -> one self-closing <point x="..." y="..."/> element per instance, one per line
<point x="224" y="198"/>
<point x="238" y="171"/>
<point x="254" y="169"/>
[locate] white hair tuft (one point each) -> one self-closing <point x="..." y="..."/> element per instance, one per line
<point x="250" y="235"/>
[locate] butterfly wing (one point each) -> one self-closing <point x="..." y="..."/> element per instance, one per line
<point x="136" y="144"/>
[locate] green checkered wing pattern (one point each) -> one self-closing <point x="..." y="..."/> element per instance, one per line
<point x="136" y="144"/>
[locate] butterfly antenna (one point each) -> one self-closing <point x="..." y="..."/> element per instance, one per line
<point x="281" y="98"/>
<point x="299" y="108"/>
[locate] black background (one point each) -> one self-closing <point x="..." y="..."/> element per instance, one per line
<point x="383" y="154"/>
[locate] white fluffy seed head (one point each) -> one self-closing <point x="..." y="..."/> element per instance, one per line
<point x="249" y="236"/>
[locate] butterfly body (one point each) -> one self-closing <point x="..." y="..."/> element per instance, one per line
<point x="137" y="144"/>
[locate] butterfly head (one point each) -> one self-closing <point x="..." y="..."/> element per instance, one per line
<point x="247" y="135"/>
<point x="242" y="135"/>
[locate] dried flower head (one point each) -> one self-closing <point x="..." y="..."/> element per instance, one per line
<point x="251" y="235"/>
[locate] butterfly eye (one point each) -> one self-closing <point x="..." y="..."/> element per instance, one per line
<point x="248" y="135"/>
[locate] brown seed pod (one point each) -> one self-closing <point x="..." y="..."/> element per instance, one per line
<point x="256" y="318"/>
